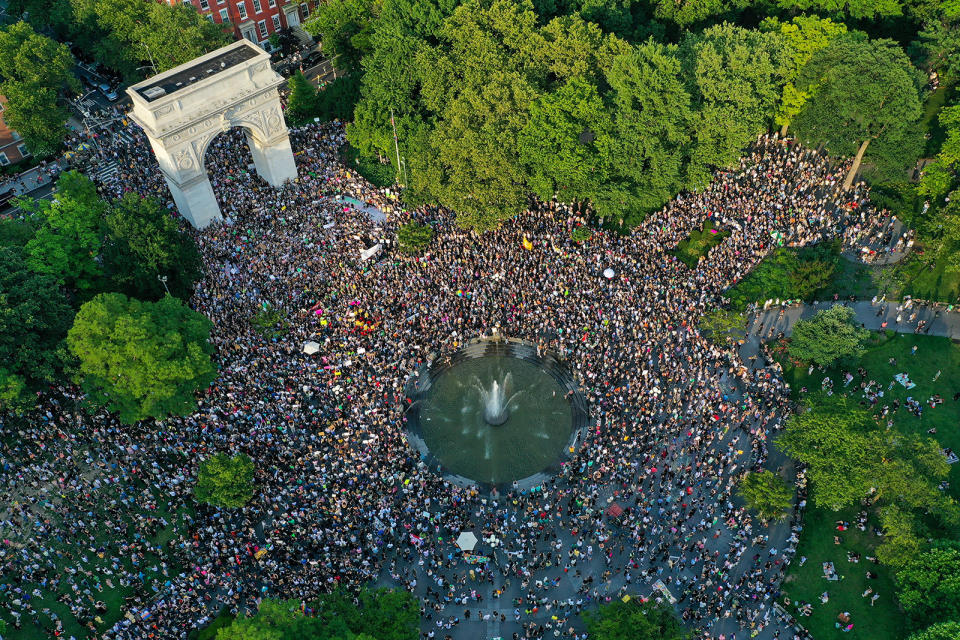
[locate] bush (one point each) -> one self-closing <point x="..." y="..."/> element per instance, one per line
<point x="581" y="234"/>
<point x="414" y="237"/>
<point x="767" y="494"/>
<point x="270" y="323"/>
<point x="722" y="327"/>
<point x="225" y="481"/>
<point x="788" y="274"/>
<point x="827" y="337"/>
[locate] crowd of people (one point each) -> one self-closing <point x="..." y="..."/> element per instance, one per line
<point x="342" y="499"/>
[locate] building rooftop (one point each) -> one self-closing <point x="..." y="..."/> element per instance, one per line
<point x="165" y="85"/>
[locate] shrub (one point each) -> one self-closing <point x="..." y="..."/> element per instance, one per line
<point x="581" y="234"/>
<point x="414" y="237"/>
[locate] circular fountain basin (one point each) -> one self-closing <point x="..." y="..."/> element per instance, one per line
<point x="495" y="413"/>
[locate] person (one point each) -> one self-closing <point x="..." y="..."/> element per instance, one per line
<point x="342" y="499"/>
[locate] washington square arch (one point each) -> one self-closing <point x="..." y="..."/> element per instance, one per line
<point x="182" y="110"/>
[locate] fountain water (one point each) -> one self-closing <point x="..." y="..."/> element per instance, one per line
<point x="496" y="404"/>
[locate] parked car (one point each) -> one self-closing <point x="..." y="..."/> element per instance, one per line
<point x="313" y="59"/>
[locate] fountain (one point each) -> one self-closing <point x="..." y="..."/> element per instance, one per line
<point x="496" y="405"/>
<point x="494" y="412"/>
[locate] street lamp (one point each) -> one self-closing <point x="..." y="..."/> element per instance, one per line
<point x="163" y="279"/>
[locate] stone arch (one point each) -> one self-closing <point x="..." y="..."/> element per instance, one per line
<point x="182" y="110"/>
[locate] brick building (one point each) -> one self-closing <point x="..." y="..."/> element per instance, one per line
<point x="12" y="149"/>
<point x="255" y="20"/>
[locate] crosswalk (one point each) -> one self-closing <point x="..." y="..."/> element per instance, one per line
<point x="126" y="137"/>
<point x="107" y="173"/>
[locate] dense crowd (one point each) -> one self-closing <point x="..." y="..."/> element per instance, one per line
<point x="342" y="500"/>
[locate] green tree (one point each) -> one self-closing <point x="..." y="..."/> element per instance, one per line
<point x="767" y="494"/>
<point x="938" y="48"/>
<point x="849" y="458"/>
<point x="723" y="326"/>
<point x="273" y="621"/>
<point x="34" y="319"/>
<point x="344" y="27"/>
<point x="413" y="236"/>
<point x="645" y="150"/>
<point x="176" y="34"/>
<point x="685" y="12"/>
<point x="885" y="103"/>
<point x="852" y="8"/>
<point x="940" y="176"/>
<point x="928" y="587"/>
<point x="143" y="244"/>
<point x="384" y="614"/>
<point x="736" y="77"/>
<point x="142" y="359"/>
<point x="67" y="243"/>
<point x="833" y="437"/>
<point x="391" y="77"/>
<point x="480" y="82"/>
<point x="901" y="538"/>
<point x="558" y="143"/>
<point x="829" y="336"/>
<point x="34" y="70"/>
<point x="803" y="36"/>
<point x="226" y="481"/>
<point x="302" y="102"/>
<point x="938" y="631"/>
<point x="634" y="620"/>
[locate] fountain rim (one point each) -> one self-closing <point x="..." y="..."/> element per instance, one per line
<point x="549" y="362"/>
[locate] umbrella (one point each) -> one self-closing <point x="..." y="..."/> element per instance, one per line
<point x="608" y="273"/>
<point x="467" y="541"/>
<point x="310" y="347"/>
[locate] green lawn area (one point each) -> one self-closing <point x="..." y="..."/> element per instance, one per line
<point x="917" y="279"/>
<point x="113" y="598"/>
<point x="882" y="621"/>
<point x="934" y="353"/>
<point x="930" y="123"/>
<point x="698" y="243"/>
<point x="379" y="175"/>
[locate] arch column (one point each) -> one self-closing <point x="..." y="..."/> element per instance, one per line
<point x="273" y="158"/>
<point x="188" y="182"/>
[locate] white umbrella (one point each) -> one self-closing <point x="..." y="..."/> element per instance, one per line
<point x="608" y="273"/>
<point x="310" y="347"/>
<point x="467" y="541"/>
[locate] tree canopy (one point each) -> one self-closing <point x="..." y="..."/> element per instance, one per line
<point x="68" y="240"/>
<point x="829" y="336"/>
<point x="634" y="620"/>
<point x="767" y="494"/>
<point x="143" y="244"/>
<point x="928" y="587"/>
<point x="380" y="614"/>
<point x="34" y="319"/>
<point x="885" y="104"/>
<point x="225" y="481"/>
<point x="141" y="359"/>
<point x="34" y="70"/>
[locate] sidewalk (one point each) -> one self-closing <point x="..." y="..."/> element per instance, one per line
<point x="940" y="322"/>
<point x="31" y="179"/>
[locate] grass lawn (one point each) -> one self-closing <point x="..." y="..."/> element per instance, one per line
<point x="698" y="243"/>
<point x="934" y="353"/>
<point x="930" y="123"/>
<point x="113" y="598"/>
<point x="917" y="279"/>
<point x="882" y="621"/>
<point x="379" y="175"/>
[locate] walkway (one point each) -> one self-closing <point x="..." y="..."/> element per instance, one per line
<point x="940" y="322"/>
